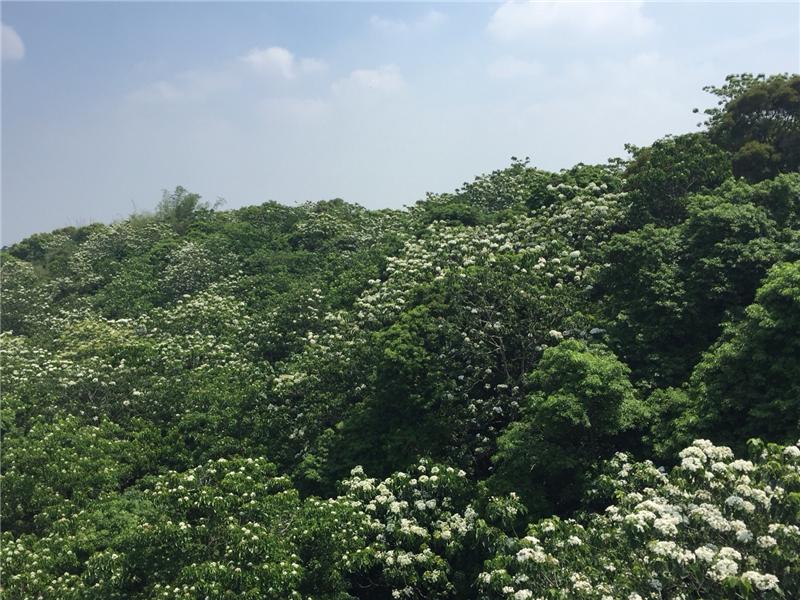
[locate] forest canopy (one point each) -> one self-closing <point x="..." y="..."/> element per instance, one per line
<point x="542" y="385"/>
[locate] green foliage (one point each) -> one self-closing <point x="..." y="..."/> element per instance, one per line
<point x="191" y="400"/>
<point x="662" y="175"/>
<point x="450" y="209"/>
<point x="402" y="419"/>
<point x="673" y="423"/>
<point x="581" y="402"/>
<point x="714" y="527"/>
<point x="51" y="250"/>
<point x="502" y="189"/>
<point x="26" y="296"/>
<point x="757" y="119"/>
<point x="180" y="208"/>
<point x="643" y="294"/>
<point x="753" y="373"/>
<point x="134" y="290"/>
<point x="667" y="290"/>
<point x="729" y="247"/>
<point x="59" y="467"/>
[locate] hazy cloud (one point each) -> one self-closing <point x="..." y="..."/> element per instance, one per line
<point x="12" y="46"/>
<point x="510" y="67"/>
<point x="427" y="22"/>
<point x="436" y="113"/>
<point x="281" y="61"/>
<point x="190" y="85"/>
<point x="517" y="20"/>
<point x="199" y="84"/>
<point x="385" y="79"/>
<point x="312" y="65"/>
<point x="303" y="109"/>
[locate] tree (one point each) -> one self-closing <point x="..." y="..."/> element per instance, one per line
<point x="180" y="208"/>
<point x="727" y="250"/>
<point x="59" y="467"/>
<point x="26" y="296"/>
<point x="757" y="118"/>
<point x="748" y="384"/>
<point x="661" y="176"/>
<point x="642" y="292"/>
<point x="403" y="418"/>
<point x="581" y="406"/>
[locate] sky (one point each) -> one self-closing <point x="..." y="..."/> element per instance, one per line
<point x="107" y="104"/>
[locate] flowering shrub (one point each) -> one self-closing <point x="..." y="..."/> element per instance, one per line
<point x="226" y="527"/>
<point x="714" y="527"/>
<point x="59" y="466"/>
<point x="425" y="535"/>
<point x="192" y="400"/>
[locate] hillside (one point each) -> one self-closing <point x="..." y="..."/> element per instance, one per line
<point x="583" y="384"/>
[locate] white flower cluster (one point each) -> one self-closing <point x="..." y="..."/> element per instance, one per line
<point x="713" y="525"/>
<point x="415" y="522"/>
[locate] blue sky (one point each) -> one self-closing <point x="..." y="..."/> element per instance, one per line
<point x="106" y="104"/>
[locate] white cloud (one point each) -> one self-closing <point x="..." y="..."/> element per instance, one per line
<point x="517" y="20"/>
<point x="432" y="19"/>
<point x="312" y="65"/>
<point x="385" y="79"/>
<point x="200" y="84"/>
<point x="280" y="61"/>
<point x="427" y="22"/>
<point x="189" y="85"/>
<point x="510" y="67"/>
<point x="617" y="101"/>
<point x="12" y="46"/>
<point x="275" y="59"/>
<point x="303" y="109"/>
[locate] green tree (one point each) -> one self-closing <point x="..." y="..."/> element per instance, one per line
<point x="402" y="419"/>
<point x="748" y="384"/>
<point x="26" y="296"/>
<point x="60" y="467"/>
<point x="581" y="407"/>
<point x="180" y="208"/>
<point x="757" y="118"/>
<point x="728" y="249"/>
<point x="660" y="176"/>
<point x="642" y="292"/>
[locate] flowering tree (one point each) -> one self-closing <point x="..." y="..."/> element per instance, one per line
<point x="715" y="527"/>
<point x="325" y="401"/>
